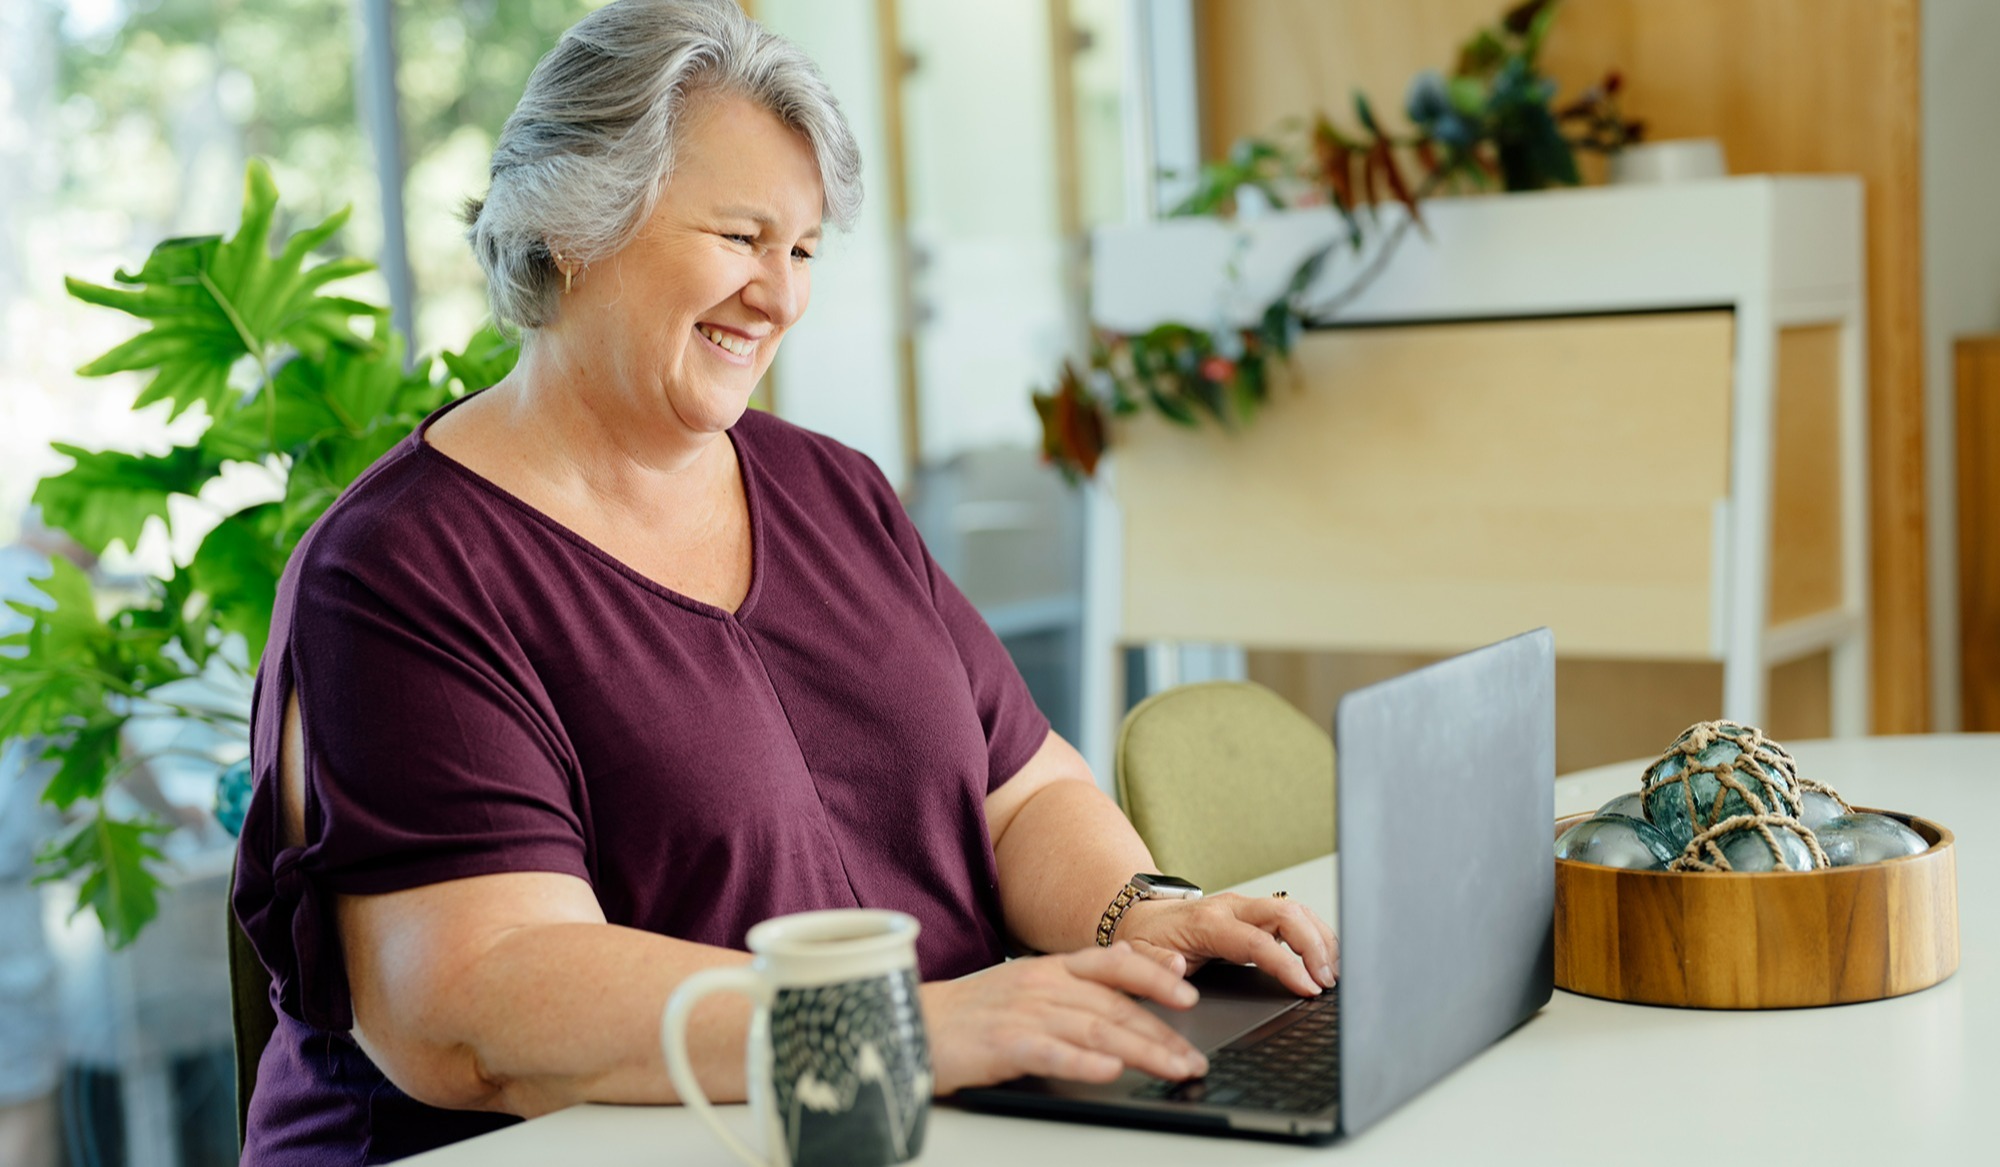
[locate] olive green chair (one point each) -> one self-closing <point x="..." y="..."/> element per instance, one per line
<point x="1225" y="781"/>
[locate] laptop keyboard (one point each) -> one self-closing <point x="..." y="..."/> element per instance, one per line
<point x="1295" y="1068"/>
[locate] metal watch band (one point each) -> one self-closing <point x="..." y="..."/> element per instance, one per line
<point x="1107" y="924"/>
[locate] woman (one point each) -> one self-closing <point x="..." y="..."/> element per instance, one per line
<point x="596" y="670"/>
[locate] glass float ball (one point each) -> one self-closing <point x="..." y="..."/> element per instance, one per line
<point x="1747" y="850"/>
<point x="1816" y="809"/>
<point x="1617" y="841"/>
<point x="1667" y="801"/>
<point x="1629" y="805"/>
<point x="1663" y="803"/>
<point x="1868" y="838"/>
<point x="232" y="796"/>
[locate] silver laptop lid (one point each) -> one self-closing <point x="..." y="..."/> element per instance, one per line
<point x="1447" y="884"/>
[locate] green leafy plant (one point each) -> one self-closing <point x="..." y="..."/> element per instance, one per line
<point x="306" y="386"/>
<point x="1184" y="373"/>
<point x="1490" y="124"/>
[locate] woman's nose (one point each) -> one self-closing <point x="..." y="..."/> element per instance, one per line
<point x="780" y="290"/>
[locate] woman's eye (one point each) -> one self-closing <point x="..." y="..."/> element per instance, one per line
<point x="802" y="255"/>
<point x="745" y="240"/>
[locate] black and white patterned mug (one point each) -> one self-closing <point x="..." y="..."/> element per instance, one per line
<point x="838" y="1067"/>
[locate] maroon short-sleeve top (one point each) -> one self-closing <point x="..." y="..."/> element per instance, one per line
<point x="481" y="690"/>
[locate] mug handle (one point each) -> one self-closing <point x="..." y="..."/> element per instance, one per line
<point x="673" y="1039"/>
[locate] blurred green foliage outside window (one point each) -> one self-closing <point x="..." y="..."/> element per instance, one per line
<point x="147" y="112"/>
<point x="276" y="78"/>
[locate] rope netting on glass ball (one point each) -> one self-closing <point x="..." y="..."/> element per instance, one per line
<point x="1721" y="781"/>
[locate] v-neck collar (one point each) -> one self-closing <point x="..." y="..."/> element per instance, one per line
<point x="752" y="501"/>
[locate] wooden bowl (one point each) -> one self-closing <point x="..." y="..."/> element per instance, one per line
<point x="1769" y="940"/>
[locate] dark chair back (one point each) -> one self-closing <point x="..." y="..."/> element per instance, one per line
<point x="251" y="1016"/>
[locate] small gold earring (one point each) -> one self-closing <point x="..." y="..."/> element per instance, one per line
<point x="562" y="265"/>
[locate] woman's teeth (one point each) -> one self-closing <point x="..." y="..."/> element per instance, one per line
<point x="735" y="344"/>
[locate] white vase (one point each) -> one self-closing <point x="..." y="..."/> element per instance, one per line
<point x="1679" y="160"/>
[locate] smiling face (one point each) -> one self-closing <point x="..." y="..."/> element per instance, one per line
<point x="680" y="324"/>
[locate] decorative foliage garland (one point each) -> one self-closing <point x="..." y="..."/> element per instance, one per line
<point x="1490" y="124"/>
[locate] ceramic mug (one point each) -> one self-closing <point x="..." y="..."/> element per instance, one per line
<point x="838" y="1067"/>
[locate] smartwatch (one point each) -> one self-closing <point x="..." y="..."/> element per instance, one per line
<point x="1144" y="886"/>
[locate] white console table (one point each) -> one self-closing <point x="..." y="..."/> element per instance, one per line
<point x="1584" y="1081"/>
<point x="1201" y="543"/>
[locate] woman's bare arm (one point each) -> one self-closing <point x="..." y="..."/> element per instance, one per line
<point x="1064" y="850"/>
<point x="511" y="993"/>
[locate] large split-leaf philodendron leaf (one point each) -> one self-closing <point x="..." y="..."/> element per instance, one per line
<point x="213" y="302"/>
<point x="112" y="856"/>
<point x="486" y="358"/>
<point x="238" y="566"/>
<point x="87" y="756"/>
<point x="41" y="683"/>
<point x="61" y="669"/>
<point x="109" y="496"/>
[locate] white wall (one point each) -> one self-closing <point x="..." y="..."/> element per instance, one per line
<point x="988" y="258"/>
<point x="839" y="372"/>
<point x="987" y="265"/>
<point x="1961" y="185"/>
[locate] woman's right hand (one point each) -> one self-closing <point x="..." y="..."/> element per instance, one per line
<point x="1065" y="1016"/>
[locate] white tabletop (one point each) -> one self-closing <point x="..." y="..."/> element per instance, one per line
<point x="1584" y="1081"/>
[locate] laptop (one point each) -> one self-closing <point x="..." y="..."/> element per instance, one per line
<point x="1446" y="921"/>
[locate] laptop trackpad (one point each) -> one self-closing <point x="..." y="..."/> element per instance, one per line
<point x="1234" y="1000"/>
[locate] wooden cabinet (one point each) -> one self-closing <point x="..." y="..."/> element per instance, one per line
<point x="1630" y="414"/>
<point x="1441" y="486"/>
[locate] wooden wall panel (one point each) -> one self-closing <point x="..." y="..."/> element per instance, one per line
<point x="1267" y="60"/>
<point x="1606" y="710"/>
<point x="1819" y="86"/>
<point x="1979" y="530"/>
<point x="1805" y="497"/>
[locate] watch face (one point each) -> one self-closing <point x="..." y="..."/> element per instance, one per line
<point x="1166" y="885"/>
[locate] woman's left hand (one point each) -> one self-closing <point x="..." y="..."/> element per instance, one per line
<point x="1281" y="937"/>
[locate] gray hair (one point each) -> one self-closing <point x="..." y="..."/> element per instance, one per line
<point x="582" y="160"/>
